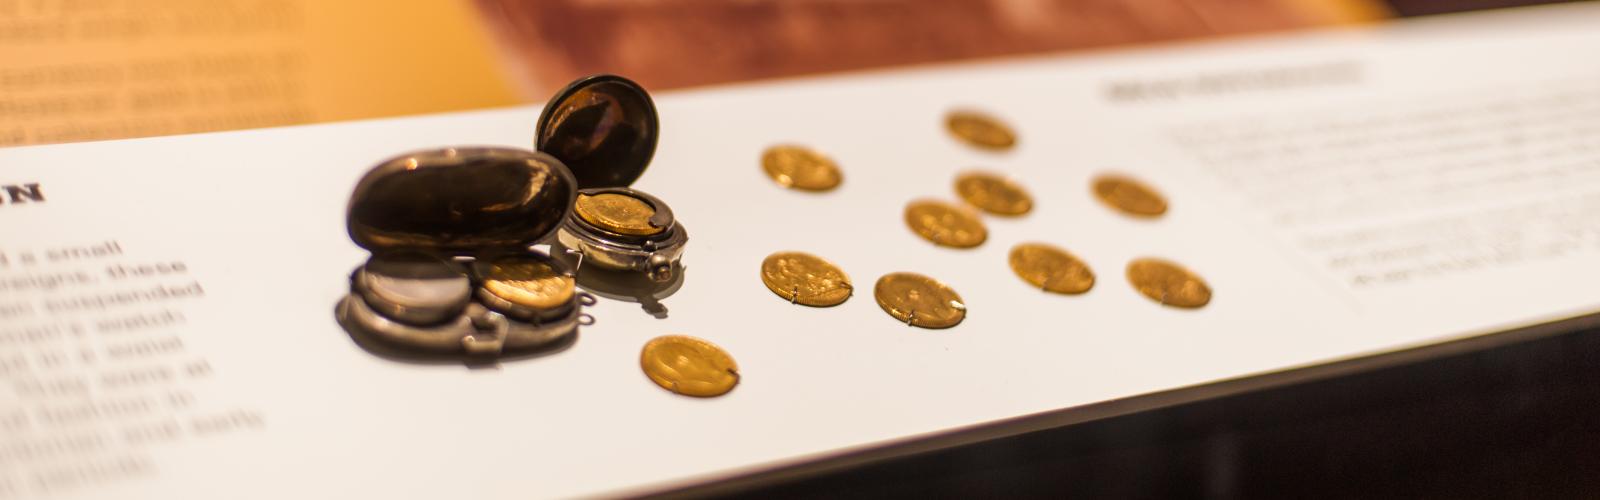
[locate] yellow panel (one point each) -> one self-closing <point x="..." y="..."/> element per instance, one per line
<point x="107" y="69"/>
<point x="1345" y="11"/>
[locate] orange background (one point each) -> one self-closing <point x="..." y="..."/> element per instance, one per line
<point x="108" y="69"/>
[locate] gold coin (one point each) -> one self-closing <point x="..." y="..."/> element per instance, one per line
<point x="994" y="194"/>
<point x="945" y="224"/>
<point x="1051" y="269"/>
<point x="689" y="366"/>
<point x="799" y="167"/>
<point x="805" y="279"/>
<point x="1129" y="196"/>
<point x="980" y="130"/>
<point x="918" y="300"/>
<point x="528" y="283"/>
<point x="618" y="213"/>
<point x="1168" y="283"/>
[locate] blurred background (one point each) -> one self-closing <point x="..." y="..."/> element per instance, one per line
<point x="1512" y="422"/>
<point x="104" y="69"/>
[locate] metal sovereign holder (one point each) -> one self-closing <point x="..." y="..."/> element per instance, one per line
<point x="604" y="128"/>
<point x="452" y="268"/>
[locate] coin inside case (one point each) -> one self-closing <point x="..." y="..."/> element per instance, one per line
<point x="653" y="245"/>
<point x="605" y="129"/>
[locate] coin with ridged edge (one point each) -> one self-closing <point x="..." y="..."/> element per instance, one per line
<point x="1051" y="269"/>
<point x="528" y="283"/>
<point x="805" y="279"/>
<point x="1129" y="196"/>
<point x="945" y="224"/>
<point x="802" y="168"/>
<point x="689" y="366"/>
<point x="618" y="213"/>
<point x="1168" y="283"/>
<point x="993" y="193"/>
<point x="980" y="130"/>
<point x="918" y="300"/>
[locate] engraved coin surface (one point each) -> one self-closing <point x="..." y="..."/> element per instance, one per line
<point x="1129" y="196"/>
<point x="993" y="193"/>
<point x="618" y="213"/>
<point x="1168" y="283"/>
<point x="528" y="283"/>
<point x="918" y="300"/>
<point x="689" y="366"/>
<point x="980" y="130"/>
<point x="801" y="168"/>
<point x="945" y="224"/>
<point x="805" y="279"/>
<point x="1051" y="269"/>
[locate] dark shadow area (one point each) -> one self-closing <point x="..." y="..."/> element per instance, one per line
<point x="383" y="348"/>
<point x="623" y="286"/>
<point x="1408" y="8"/>
<point x="1515" y="421"/>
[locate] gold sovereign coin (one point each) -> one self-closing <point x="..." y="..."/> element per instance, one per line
<point x="528" y="283"/>
<point x="980" y="130"/>
<point x="618" y="213"/>
<point x="801" y="168"/>
<point x="1129" y="196"/>
<point x="918" y="300"/>
<point x="689" y="366"/>
<point x="945" y="224"/>
<point x="1051" y="269"/>
<point x="1168" y="283"/>
<point x="994" y="194"/>
<point x="805" y="279"/>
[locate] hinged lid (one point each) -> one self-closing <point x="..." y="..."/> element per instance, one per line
<point x="603" y="127"/>
<point x="460" y="200"/>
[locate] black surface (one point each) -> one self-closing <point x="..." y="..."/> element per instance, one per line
<point x="460" y="201"/>
<point x="1519" y="421"/>
<point x="1407" y="8"/>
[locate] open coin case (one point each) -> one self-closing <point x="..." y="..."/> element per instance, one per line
<point x="452" y="231"/>
<point x="605" y="128"/>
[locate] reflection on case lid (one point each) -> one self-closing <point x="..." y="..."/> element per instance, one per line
<point x="460" y="200"/>
<point x="603" y="127"/>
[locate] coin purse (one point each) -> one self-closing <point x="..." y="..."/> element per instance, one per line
<point x="605" y="129"/>
<point x="452" y="266"/>
<point x="451" y="231"/>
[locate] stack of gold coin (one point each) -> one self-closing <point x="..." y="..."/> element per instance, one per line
<point x="799" y="167"/>
<point x="980" y="130"/>
<point x="1129" y="196"/>
<point x="805" y="279"/>
<point x="528" y="283"/>
<point x="1168" y="283"/>
<point x="689" y="366"/>
<point x="617" y="213"/>
<point x="945" y="224"/>
<point x="1051" y="269"/>
<point x="993" y="193"/>
<point x="919" y="300"/>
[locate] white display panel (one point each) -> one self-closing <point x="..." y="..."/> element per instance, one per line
<point x="1408" y="238"/>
